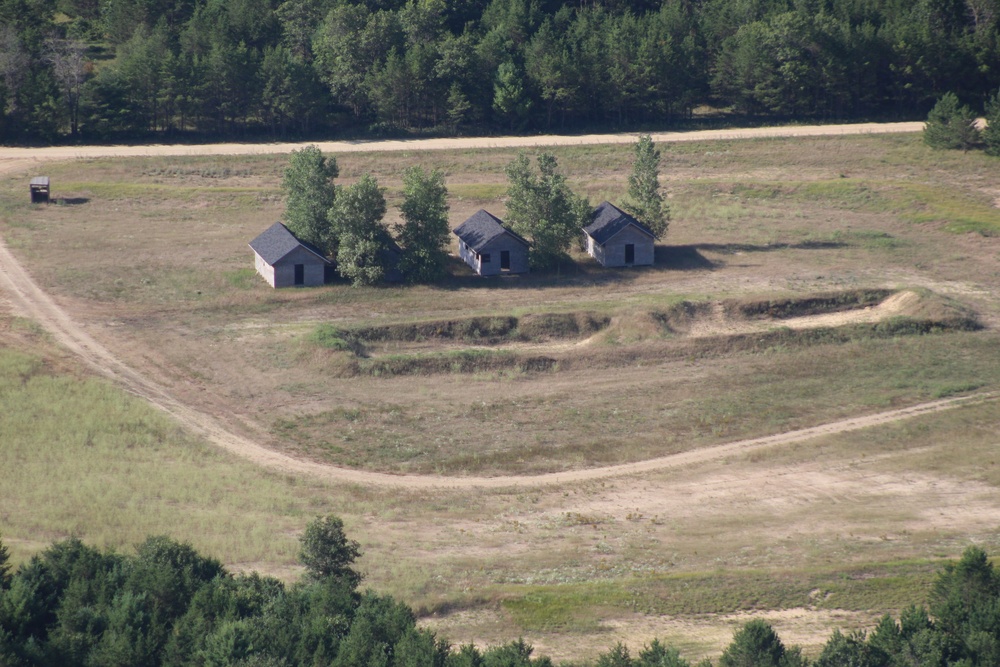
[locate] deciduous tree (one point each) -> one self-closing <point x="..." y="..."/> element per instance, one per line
<point x="71" y="69"/>
<point x="364" y="244"/>
<point x="310" y="191"/>
<point x="327" y="552"/>
<point x="543" y="209"/>
<point x="424" y="236"/>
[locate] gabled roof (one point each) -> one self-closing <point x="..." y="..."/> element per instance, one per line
<point x="608" y="220"/>
<point x="277" y="241"/>
<point x="481" y="228"/>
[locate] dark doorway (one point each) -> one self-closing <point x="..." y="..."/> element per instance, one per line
<point x="629" y="253"/>
<point x="505" y="260"/>
<point x="329" y="273"/>
<point x="300" y="274"/>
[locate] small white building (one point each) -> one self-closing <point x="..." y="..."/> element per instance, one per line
<point x="285" y="261"/>
<point x="485" y="244"/>
<point x="615" y="238"/>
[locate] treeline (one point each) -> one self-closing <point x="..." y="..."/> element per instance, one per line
<point x="74" y="605"/>
<point x="116" y="68"/>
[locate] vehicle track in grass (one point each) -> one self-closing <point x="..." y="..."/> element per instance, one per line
<point x="29" y="300"/>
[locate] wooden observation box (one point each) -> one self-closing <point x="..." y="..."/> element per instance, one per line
<point x="39" y="189"/>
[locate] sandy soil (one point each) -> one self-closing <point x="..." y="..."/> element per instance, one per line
<point x="13" y="159"/>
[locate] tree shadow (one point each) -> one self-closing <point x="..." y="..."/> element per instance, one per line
<point x="568" y="273"/>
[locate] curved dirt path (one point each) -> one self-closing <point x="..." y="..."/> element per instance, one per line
<point x="12" y="159"/>
<point x="29" y="300"/>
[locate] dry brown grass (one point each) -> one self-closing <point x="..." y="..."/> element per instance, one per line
<point x="155" y="265"/>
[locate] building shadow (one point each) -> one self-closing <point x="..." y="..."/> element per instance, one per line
<point x="681" y="258"/>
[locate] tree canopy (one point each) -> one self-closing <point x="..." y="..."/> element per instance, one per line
<point x="542" y="208"/>
<point x="167" y="605"/>
<point x="135" y="68"/>
<point x="991" y="133"/>
<point x="364" y="254"/>
<point x="327" y="552"/>
<point x="644" y="200"/>
<point x="310" y="193"/>
<point x="951" y="124"/>
<point x="424" y="236"/>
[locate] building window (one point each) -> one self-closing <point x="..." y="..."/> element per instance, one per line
<point x="485" y="258"/>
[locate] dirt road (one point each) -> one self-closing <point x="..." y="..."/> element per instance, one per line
<point x="28" y="300"/>
<point x="13" y="159"/>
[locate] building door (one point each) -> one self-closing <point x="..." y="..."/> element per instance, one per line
<point x="629" y="253"/>
<point x="505" y="260"/>
<point x="300" y="274"/>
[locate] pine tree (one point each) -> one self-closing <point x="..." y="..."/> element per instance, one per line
<point x="951" y="124"/>
<point x="510" y="99"/>
<point x="644" y="199"/>
<point x="991" y="133"/>
<point x="4" y="565"/>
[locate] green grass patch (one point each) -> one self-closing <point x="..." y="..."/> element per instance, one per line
<point x="328" y="337"/>
<point x="242" y="279"/>
<point x="577" y="607"/>
<point x="847" y="193"/>
<point x="574" y="609"/>
<point x="961" y="212"/>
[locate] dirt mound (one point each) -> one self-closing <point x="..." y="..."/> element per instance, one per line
<point x="899" y="312"/>
<point x="683" y="331"/>
<point x="780" y="309"/>
<point x="485" y="330"/>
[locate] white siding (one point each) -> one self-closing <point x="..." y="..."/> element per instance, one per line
<point x="264" y="269"/>
<point x="518" y="256"/>
<point x="612" y="253"/>
<point x="282" y="273"/>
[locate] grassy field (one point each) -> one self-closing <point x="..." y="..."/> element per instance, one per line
<point x="557" y="371"/>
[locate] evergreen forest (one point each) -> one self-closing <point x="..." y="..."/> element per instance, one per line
<point x="74" y="605"/>
<point x="103" y="70"/>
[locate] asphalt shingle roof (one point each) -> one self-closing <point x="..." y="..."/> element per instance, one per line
<point x="481" y="228"/>
<point x="277" y="241"/>
<point x="608" y="220"/>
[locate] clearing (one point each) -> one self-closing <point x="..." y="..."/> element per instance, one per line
<point x="576" y="457"/>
